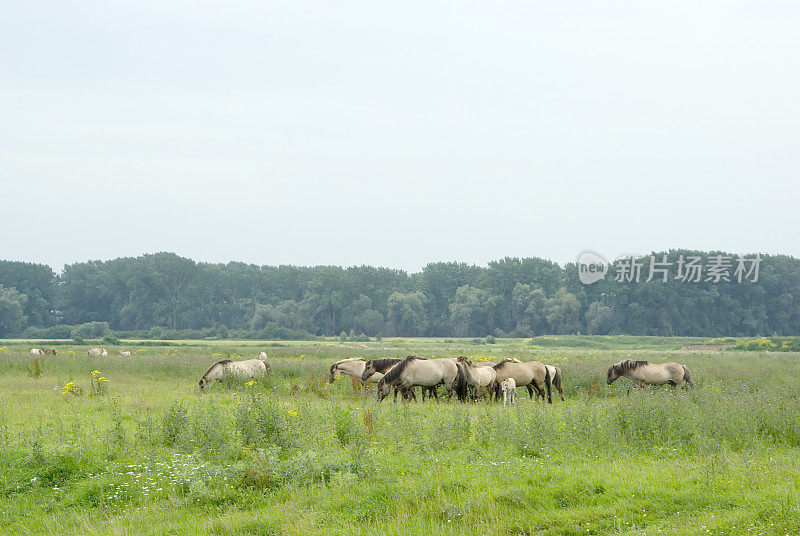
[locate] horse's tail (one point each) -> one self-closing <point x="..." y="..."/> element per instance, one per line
<point x="557" y="382"/>
<point x="687" y="376"/>
<point x="548" y="382"/>
<point x="461" y="382"/>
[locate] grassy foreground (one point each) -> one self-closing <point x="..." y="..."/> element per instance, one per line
<point x="146" y="453"/>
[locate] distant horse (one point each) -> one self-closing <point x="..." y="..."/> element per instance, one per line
<point x="261" y="355"/>
<point x="374" y="369"/>
<point x="530" y="373"/>
<point x="555" y="380"/>
<point x="97" y="352"/>
<point x="249" y="368"/>
<point x="509" y="388"/>
<point x="37" y="351"/>
<point x="481" y="378"/>
<point x="644" y="373"/>
<point x="414" y="371"/>
<point x="124" y="353"/>
<point x="50" y="351"/>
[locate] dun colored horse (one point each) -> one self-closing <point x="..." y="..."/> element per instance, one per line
<point x="219" y="370"/>
<point x="413" y="371"/>
<point x="644" y="373"/>
<point x="527" y="373"/>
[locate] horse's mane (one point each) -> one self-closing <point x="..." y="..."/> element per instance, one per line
<point x="383" y="364"/>
<point x="503" y="362"/>
<point x="465" y="360"/>
<point x="348" y="359"/>
<point x="395" y="372"/>
<point x="217" y="364"/>
<point x="629" y="365"/>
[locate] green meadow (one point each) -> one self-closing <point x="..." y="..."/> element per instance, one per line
<point x="144" y="452"/>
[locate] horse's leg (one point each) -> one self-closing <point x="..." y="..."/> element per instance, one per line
<point x="355" y="384"/>
<point x="533" y="386"/>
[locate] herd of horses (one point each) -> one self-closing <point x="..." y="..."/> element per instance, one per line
<point x="460" y="376"/>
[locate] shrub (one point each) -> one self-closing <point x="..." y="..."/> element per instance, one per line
<point x="174" y="423"/>
<point x="91" y="330"/>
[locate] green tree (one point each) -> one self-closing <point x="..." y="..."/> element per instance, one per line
<point x="12" y="311"/>
<point x="472" y="312"/>
<point x="407" y="316"/>
<point x="563" y="312"/>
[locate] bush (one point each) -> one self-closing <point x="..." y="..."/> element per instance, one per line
<point x="91" y="330"/>
<point x="174" y="423"/>
<point x="58" y="332"/>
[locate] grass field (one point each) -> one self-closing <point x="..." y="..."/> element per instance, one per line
<point x="291" y="454"/>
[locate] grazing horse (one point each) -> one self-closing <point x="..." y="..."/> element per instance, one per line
<point x="97" y="352"/>
<point x="644" y="373"/>
<point x="413" y="371"/>
<point x="374" y="369"/>
<point x="353" y="367"/>
<point x="249" y="368"/>
<point x="50" y="351"/>
<point x="261" y="355"/>
<point x="37" y="351"/>
<point x="530" y="373"/>
<point x="509" y="388"/>
<point x="480" y="378"/>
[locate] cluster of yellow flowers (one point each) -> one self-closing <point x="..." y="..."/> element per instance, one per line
<point x="291" y="413"/>
<point x="3" y="348"/>
<point x="216" y="354"/>
<point x="70" y="352"/>
<point x="173" y="352"/>
<point x="251" y="383"/>
<point x="70" y="389"/>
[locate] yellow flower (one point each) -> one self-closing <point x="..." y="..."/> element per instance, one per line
<point x="70" y="389"/>
<point x="251" y="383"/>
<point x="291" y="413"/>
<point x="101" y="380"/>
<point x="95" y="372"/>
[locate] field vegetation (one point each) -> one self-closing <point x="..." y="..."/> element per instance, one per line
<point x="123" y="445"/>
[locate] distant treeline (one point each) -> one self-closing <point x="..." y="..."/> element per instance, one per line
<point x="166" y="296"/>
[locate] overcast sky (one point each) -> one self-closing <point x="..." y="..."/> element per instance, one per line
<point x="397" y="133"/>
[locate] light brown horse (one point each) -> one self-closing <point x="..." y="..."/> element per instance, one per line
<point x="353" y="367"/>
<point x="526" y="373"/>
<point x="644" y="373"/>
<point x="250" y="368"/>
<point x="413" y="371"/>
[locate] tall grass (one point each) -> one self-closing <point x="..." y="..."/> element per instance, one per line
<point x="293" y="454"/>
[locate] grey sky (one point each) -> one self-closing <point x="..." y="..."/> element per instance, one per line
<point x="396" y="134"/>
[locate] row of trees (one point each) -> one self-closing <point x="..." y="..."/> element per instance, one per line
<point x="521" y="297"/>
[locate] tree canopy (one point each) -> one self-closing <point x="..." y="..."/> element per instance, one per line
<point x="162" y="293"/>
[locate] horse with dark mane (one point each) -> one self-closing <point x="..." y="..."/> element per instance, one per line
<point x="645" y="373"/>
<point x="413" y="371"/>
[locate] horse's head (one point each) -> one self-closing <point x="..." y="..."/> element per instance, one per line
<point x="203" y="383"/>
<point x="613" y="374"/>
<point x="369" y="370"/>
<point x="464" y="360"/>
<point x="383" y="389"/>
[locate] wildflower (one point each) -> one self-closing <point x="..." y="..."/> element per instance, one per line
<point x="102" y="380"/>
<point x="70" y="389"/>
<point x="95" y="372"/>
<point x="251" y="383"/>
<point x="291" y="413"/>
